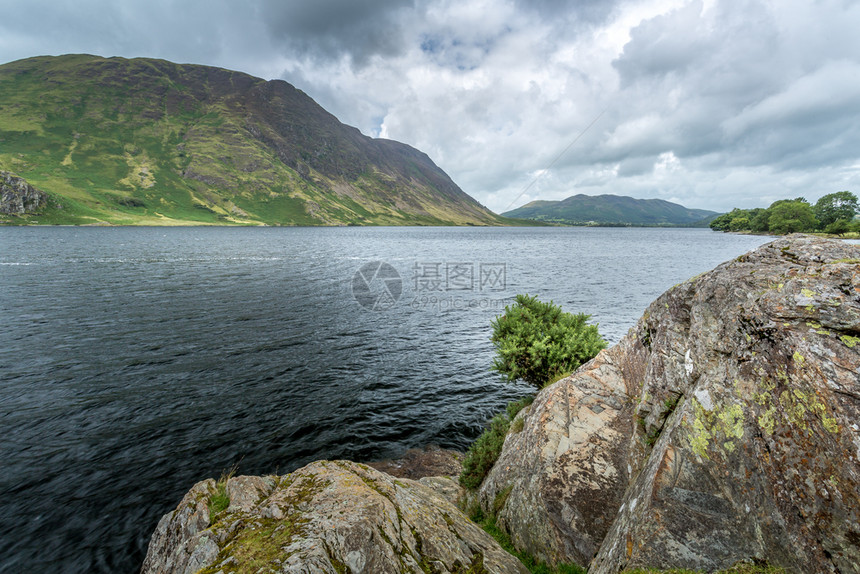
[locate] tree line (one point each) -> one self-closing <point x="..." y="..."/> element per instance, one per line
<point x="833" y="213"/>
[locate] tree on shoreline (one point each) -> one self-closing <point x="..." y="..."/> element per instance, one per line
<point x="833" y="207"/>
<point x="833" y="213"/>
<point x="791" y="216"/>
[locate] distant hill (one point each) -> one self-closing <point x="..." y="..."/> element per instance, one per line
<point x="612" y="210"/>
<point x="143" y="141"/>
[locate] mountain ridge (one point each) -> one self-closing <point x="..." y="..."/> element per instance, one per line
<point x="610" y="209"/>
<point x="147" y="141"/>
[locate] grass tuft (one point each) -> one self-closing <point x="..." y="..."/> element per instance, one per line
<point x="484" y="452"/>
<point x="220" y="500"/>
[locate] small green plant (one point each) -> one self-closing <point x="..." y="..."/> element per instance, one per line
<point x="514" y="407"/>
<point x="517" y="425"/>
<point x="501" y="499"/>
<point x="537" y="341"/>
<point x="670" y="404"/>
<point x="649" y="437"/>
<point x="484" y="452"/>
<point x="846" y="260"/>
<point x="220" y="500"/>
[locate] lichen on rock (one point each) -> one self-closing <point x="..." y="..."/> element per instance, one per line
<point x="756" y="459"/>
<point x="330" y="517"/>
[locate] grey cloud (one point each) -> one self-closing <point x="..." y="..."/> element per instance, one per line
<point x="740" y="83"/>
<point x="330" y="29"/>
<point x="636" y="166"/>
<point x="584" y="11"/>
<point x="814" y="120"/>
<point x="665" y="45"/>
<point x="752" y="99"/>
<point x="457" y="53"/>
<point x="215" y="32"/>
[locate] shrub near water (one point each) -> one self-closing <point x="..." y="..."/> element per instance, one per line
<point x="537" y="341"/>
<point x="485" y="451"/>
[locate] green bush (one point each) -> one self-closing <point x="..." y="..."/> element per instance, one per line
<point x="830" y="214"/>
<point x="791" y="216"/>
<point x="537" y="341"/>
<point x="833" y="207"/>
<point x="484" y="452"/>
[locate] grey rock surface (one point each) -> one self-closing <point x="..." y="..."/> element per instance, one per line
<point x="17" y="197"/>
<point x="327" y="517"/>
<point x="722" y="428"/>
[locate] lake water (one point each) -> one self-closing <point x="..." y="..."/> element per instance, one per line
<point x="135" y="362"/>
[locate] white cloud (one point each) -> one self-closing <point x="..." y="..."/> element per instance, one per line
<point x="710" y="103"/>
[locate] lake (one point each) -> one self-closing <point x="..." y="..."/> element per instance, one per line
<point x="135" y="362"/>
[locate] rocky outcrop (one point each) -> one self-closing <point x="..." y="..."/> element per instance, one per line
<point x="418" y="463"/>
<point x="722" y="428"/>
<point x="17" y="197"/>
<point x="432" y="466"/>
<point x="329" y="517"/>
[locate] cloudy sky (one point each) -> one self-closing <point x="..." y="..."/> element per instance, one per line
<point x="709" y="103"/>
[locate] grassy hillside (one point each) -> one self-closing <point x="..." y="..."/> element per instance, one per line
<point x="612" y="210"/>
<point x="155" y="143"/>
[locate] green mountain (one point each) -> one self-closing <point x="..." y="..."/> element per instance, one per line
<point x="142" y="141"/>
<point x="612" y="210"/>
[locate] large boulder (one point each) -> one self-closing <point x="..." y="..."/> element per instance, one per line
<point x="331" y="517"/>
<point x="17" y="197"/>
<point x="722" y="428"/>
